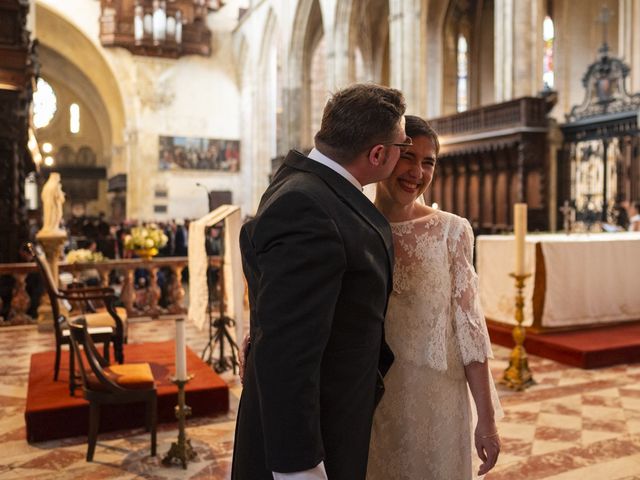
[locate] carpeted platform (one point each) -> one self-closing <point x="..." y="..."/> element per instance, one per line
<point x="51" y="413"/>
<point x="592" y="348"/>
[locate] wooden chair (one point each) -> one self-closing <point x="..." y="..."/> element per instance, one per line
<point x="117" y="384"/>
<point x="104" y="327"/>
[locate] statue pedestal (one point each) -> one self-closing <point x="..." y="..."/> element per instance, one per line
<point x="52" y="242"/>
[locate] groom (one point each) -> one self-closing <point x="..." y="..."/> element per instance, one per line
<point x="318" y="260"/>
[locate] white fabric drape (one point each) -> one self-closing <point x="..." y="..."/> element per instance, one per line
<point x="232" y="273"/>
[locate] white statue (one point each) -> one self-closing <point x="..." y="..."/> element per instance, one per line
<point x="52" y="201"/>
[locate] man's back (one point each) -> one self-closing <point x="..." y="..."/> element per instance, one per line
<point x="317" y="262"/>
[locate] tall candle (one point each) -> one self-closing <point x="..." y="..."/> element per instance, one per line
<point x="181" y="350"/>
<point x="520" y="231"/>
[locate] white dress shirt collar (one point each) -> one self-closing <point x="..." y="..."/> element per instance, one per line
<point x="320" y="157"/>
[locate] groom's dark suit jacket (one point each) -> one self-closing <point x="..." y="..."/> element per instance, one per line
<point x="318" y="260"/>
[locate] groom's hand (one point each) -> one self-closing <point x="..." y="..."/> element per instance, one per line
<point x="488" y="448"/>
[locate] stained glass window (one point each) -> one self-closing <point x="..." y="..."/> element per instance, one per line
<point x="548" y="36"/>
<point x="44" y="104"/>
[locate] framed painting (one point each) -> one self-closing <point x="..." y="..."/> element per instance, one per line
<point x="190" y="153"/>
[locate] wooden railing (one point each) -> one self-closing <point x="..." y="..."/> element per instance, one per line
<point x="139" y="301"/>
<point x="524" y="112"/>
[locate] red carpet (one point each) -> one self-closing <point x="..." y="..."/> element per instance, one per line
<point x="51" y="413"/>
<point x="591" y="348"/>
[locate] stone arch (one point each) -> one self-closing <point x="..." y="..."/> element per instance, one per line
<point x="369" y="36"/>
<point x="473" y="21"/>
<point x="60" y="35"/>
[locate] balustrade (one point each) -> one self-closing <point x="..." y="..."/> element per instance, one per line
<point x="526" y="111"/>
<point x="140" y="301"/>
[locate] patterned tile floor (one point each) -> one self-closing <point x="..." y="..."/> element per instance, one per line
<point x="574" y="424"/>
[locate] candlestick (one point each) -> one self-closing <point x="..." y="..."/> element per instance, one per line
<point x="520" y="231"/>
<point x="181" y="451"/>
<point x="181" y="350"/>
<point x="517" y="376"/>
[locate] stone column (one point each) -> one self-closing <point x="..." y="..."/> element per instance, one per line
<point x="503" y="50"/>
<point x="52" y="245"/>
<point x="134" y="178"/>
<point x="554" y="141"/>
<point x="527" y="47"/>
<point x="629" y="39"/>
<point x="404" y="43"/>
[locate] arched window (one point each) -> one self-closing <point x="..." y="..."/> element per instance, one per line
<point x="74" y="118"/>
<point x="548" y="36"/>
<point x="462" y="98"/>
<point x="44" y="104"/>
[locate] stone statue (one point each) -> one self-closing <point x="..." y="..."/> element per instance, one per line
<point x="52" y="201"/>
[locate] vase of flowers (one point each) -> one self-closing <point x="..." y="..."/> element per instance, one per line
<point x="83" y="255"/>
<point x="145" y="241"/>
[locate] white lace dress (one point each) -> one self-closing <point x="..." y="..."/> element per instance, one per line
<point x="422" y="428"/>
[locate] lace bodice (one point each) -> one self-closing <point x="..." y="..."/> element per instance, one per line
<point x="434" y="317"/>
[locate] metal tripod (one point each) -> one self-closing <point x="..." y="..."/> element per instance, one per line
<point x="219" y="327"/>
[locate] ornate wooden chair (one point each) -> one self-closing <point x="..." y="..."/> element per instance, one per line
<point x="117" y="384"/>
<point x="104" y="327"/>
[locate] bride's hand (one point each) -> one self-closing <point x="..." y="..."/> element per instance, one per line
<point x="488" y="447"/>
<point x="243" y="357"/>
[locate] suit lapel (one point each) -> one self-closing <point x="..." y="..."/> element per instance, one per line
<point x="356" y="200"/>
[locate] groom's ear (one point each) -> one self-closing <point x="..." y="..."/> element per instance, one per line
<point x="376" y="156"/>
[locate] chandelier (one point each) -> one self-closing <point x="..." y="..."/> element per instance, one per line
<point x="160" y="28"/>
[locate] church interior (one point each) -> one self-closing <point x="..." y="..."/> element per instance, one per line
<point x="137" y="135"/>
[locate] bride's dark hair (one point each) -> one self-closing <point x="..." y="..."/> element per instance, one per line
<point x="417" y="127"/>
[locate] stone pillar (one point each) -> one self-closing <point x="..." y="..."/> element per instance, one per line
<point x="52" y="244"/>
<point x="527" y="48"/>
<point x="404" y="43"/>
<point x="503" y="53"/>
<point x="133" y="179"/>
<point x="554" y="141"/>
<point x="629" y="39"/>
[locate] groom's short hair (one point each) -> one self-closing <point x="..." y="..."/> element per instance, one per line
<point x="357" y="118"/>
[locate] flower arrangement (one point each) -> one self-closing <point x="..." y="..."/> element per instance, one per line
<point x="149" y="238"/>
<point x="83" y="255"/>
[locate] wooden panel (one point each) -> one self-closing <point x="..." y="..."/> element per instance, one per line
<point x="474" y="195"/>
<point x="501" y="198"/>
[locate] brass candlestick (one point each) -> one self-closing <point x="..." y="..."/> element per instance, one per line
<point x="518" y="376"/>
<point x="181" y="451"/>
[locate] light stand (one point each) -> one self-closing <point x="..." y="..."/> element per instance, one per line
<point x="219" y="328"/>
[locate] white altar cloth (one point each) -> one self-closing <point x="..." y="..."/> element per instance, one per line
<point x="588" y="278"/>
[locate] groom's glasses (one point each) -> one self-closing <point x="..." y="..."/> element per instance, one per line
<point x="403" y="146"/>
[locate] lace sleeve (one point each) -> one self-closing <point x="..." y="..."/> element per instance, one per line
<point x="469" y="324"/>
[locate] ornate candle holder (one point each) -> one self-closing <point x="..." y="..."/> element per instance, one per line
<point x="518" y="376"/>
<point x="180" y="451"/>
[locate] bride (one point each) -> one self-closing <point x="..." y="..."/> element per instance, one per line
<point x="436" y="329"/>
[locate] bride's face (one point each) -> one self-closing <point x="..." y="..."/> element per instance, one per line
<point x="413" y="172"/>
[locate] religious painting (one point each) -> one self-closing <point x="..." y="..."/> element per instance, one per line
<point x="189" y="153"/>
